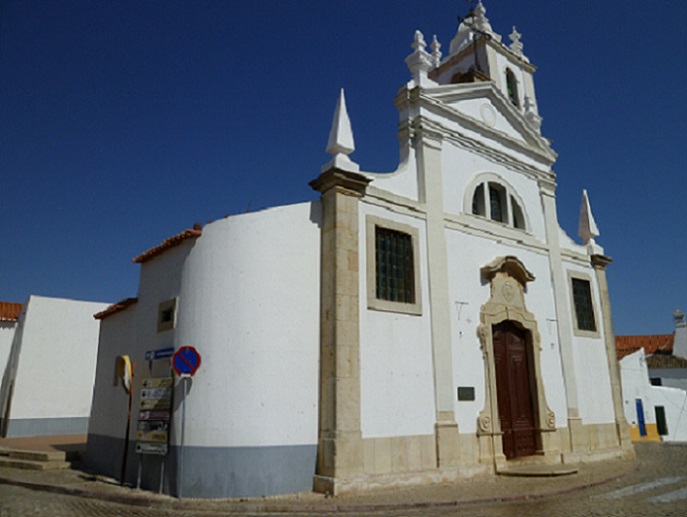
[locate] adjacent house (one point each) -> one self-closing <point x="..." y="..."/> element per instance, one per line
<point x="47" y="380"/>
<point x="416" y="326"/>
<point x="654" y="380"/>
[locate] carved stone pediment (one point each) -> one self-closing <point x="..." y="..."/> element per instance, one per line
<point x="510" y="266"/>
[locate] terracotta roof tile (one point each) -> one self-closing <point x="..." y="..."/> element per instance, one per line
<point x="9" y="311"/>
<point x="167" y="244"/>
<point x="626" y="345"/>
<point x="115" y="307"/>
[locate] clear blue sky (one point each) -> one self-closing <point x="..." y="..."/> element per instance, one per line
<point x="124" y="122"/>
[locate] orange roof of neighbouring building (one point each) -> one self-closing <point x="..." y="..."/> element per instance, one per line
<point x="115" y="307"/>
<point x="171" y="242"/>
<point x="626" y="345"/>
<point x="9" y="311"/>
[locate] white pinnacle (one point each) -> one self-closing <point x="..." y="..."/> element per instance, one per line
<point x="340" y="143"/>
<point x="587" y="229"/>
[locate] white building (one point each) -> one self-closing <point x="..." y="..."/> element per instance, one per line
<point x="47" y="382"/>
<point x="411" y="327"/>
<point x="653" y="412"/>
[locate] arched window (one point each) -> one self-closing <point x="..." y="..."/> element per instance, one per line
<point x="512" y="88"/>
<point x="496" y="201"/>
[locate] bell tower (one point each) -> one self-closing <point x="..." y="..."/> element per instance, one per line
<point x="478" y="54"/>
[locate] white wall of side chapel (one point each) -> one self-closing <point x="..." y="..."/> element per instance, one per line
<point x="250" y="304"/>
<point x="396" y="372"/>
<point x="7" y="329"/>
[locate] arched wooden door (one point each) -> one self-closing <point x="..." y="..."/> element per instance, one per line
<point x="514" y="392"/>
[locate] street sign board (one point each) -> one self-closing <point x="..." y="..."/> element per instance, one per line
<point x="157" y="382"/>
<point x="186" y="361"/>
<point x="160" y="353"/>
<point x="156" y="393"/>
<point x="154" y="414"/>
<point x="155" y="404"/>
<point x="151" y="448"/>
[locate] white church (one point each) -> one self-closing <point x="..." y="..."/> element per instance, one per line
<point x="412" y="327"/>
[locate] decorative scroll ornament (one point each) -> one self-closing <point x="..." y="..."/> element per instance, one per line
<point x="485" y="423"/>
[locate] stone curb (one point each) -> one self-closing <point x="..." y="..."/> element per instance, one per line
<point x="157" y="501"/>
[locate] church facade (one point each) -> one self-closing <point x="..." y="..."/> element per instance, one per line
<point x="411" y="327"/>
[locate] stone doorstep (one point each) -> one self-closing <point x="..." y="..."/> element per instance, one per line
<point x="538" y="471"/>
<point x="37" y="455"/>
<point x="33" y="464"/>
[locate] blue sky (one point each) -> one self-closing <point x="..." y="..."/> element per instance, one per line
<point x="124" y="122"/>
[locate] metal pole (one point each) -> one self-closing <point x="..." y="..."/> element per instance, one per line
<point x="180" y="469"/>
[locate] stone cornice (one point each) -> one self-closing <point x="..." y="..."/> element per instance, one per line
<point x="478" y="147"/>
<point x="601" y="261"/>
<point x="436" y="99"/>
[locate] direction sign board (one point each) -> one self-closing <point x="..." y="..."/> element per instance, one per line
<point x="151" y="448"/>
<point x="186" y="361"/>
<point x="160" y="353"/>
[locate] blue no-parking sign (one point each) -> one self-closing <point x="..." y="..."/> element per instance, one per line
<point x="186" y="361"/>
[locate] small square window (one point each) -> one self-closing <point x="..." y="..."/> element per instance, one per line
<point x="166" y="315"/>
<point x="583" y="306"/>
<point x="392" y="267"/>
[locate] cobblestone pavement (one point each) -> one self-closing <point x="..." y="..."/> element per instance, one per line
<point x="656" y="487"/>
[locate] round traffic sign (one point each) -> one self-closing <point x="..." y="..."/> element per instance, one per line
<point x="186" y="361"/>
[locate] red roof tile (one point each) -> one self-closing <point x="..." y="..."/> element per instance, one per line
<point x="626" y="345"/>
<point x="9" y="311"/>
<point x="166" y="244"/>
<point x="115" y="307"/>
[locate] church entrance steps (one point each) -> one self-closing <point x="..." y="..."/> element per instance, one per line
<point x="538" y="470"/>
<point x="34" y="460"/>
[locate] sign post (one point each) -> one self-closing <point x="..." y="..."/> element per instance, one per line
<point x="185" y="363"/>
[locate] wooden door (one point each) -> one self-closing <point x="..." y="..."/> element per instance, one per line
<point x="513" y="390"/>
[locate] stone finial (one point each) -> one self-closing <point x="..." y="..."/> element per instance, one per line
<point x="532" y="117"/>
<point x="436" y="51"/>
<point x="587" y="229"/>
<point x="482" y="22"/>
<point x="340" y="143"/>
<point x="420" y="62"/>
<point x="516" y="46"/>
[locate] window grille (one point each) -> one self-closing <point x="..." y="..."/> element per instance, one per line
<point x="395" y="275"/>
<point x="584" y="309"/>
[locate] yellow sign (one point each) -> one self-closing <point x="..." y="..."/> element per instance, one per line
<point x="158" y="382"/>
<point x="152" y="436"/>
<point x="155" y="403"/>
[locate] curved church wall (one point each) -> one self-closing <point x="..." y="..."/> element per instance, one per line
<point x="249" y="303"/>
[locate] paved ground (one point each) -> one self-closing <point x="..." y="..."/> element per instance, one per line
<point x="654" y="485"/>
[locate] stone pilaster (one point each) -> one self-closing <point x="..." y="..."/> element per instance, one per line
<point x="428" y="147"/>
<point x="340" y="446"/>
<point x="563" y="310"/>
<point x="600" y="262"/>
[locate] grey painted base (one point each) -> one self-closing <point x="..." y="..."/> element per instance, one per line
<point x="18" y="427"/>
<point x="209" y="471"/>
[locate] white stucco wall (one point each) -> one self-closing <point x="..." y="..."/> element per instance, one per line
<point x="7" y="329"/>
<point x="110" y="400"/>
<point x="56" y="362"/>
<point x="396" y="372"/>
<point x="250" y="304"/>
<point x="468" y="292"/>
<point x="590" y="358"/>
<point x="636" y="385"/>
